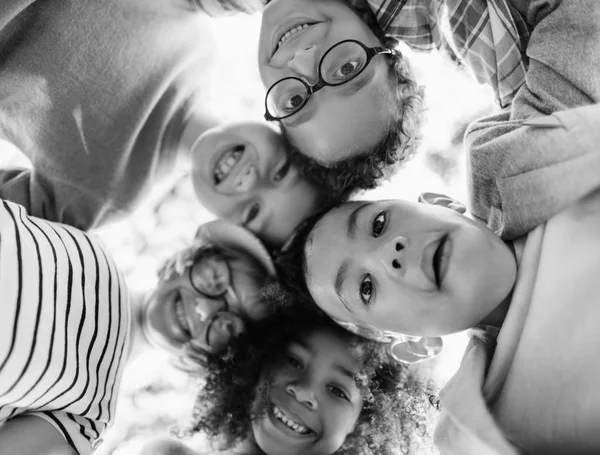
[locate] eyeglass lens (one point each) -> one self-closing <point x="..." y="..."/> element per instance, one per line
<point x="210" y="275"/>
<point x="340" y="64"/>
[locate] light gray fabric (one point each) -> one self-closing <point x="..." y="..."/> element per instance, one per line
<point x="519" y="175"/>
<point x="94" y="93"/>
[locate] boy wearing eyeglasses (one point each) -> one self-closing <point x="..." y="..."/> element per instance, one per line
<point x="362" y="117"/>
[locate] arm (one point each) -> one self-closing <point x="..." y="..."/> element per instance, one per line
<point x="31" y="435"/>
<point x="521" y="174"/>
<point x="49" y="198"/>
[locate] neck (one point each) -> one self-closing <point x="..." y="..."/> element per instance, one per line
<point x="497" y="316"/>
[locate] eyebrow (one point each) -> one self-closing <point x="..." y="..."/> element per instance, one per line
<point x="340" y="277"/>
<point x="345" y="371"/>
<point x="352" y="218"/>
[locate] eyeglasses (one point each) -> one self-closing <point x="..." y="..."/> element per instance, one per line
<point x="340" y="64"/>
<point x="210" y="276"/>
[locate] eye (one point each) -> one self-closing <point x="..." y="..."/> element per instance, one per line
<point x="293" y="362"/>
<point x="338" y="393"/>
<point x="379" y="224"/>
<point x="366" y="290"/>
<point x="347" y="70"/>
<point x="251" y="214"/>
<point x="282" y="171"/>
<point x="291" y="102"/>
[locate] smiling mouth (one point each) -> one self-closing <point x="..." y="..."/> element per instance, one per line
<point x="227" y="162"/>
<point x="290" y="423"/>
<point x="181" y="316"/>
<point x="292" y="32"/>
<point x="437" y="260"/>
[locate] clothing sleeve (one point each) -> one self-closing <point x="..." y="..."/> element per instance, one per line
<point x="53" y="200"/>
<point x="532" y="170"/>
<point x="466" y="426"/>
<point x="228" y="7"/>
<point x="537" y="157"/>
<point x="77" y="431"/>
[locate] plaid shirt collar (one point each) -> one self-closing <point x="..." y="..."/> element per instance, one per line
<point x="488" y="36"/>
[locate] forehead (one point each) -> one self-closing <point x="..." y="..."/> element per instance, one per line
<point x="330" y="346"/>
<point x="340" y="125"/>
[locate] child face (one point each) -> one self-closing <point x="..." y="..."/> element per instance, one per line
<point x="204" y="303"/>
<point x="241" y="173"/>
<point x="336" y="122"/>
<point x="407" y="267"/>
<point x="313" y="402"/>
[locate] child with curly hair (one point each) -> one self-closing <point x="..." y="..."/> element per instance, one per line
<point x="297" y="383"/>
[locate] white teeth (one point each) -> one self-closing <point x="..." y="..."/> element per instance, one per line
<point x="226" y="163"/>
<point x="298" y="428"/>
<point x="291" y="32"/>
<point x="180" y="313"/>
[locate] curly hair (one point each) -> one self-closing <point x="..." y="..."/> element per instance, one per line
<point x="397" y="404"/>
<point x="368" y="168"/>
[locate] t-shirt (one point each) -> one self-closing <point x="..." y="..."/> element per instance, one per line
<point x="540" y="393"/>
<point x="64" y="329"/>
<point x="96" y="93"/>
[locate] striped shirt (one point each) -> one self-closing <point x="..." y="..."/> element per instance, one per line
<point x="64" y="328"/>
<point x="488" y="36"/>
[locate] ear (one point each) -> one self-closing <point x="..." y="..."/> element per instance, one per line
<point x="415" y="350"/>
<point x="443" y="201"/>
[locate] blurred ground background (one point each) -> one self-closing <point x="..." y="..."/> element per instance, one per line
<point x="155" y="397"/>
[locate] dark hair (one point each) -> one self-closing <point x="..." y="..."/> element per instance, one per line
<point x="290" y="261"/>
<point x="368" y="168"/>
<point x="396" y="404"/>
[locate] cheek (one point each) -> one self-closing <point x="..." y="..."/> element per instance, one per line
<point x="340" y="421"/>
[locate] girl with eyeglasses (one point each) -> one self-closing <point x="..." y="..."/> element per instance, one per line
<point x="206" y="295"/>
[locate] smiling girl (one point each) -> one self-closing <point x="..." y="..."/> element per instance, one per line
<point x="299" y="384"/>
<point x="242" y="172"/>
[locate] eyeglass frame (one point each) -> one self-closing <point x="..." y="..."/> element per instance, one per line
<point x="311" y="89"/>
<point x="200" y="255"/>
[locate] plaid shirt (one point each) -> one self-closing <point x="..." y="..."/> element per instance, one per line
<point x="488" y="36"/>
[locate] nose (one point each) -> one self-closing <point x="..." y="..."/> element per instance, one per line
<point x="303" y="394"/>
<point x="205" y="308"/>
<point x="394" y="259"/>
<point x="304" y="63"/>
<point x="247" y="179"/>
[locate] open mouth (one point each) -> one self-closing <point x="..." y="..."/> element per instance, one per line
<point x="227" y="162"/>
<point x="291" y="423"/>
<point x="291" y="32"/>
<point x="181" y="316"/>
<point x="437" y="261"/>
<point x="440" y="261"/>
